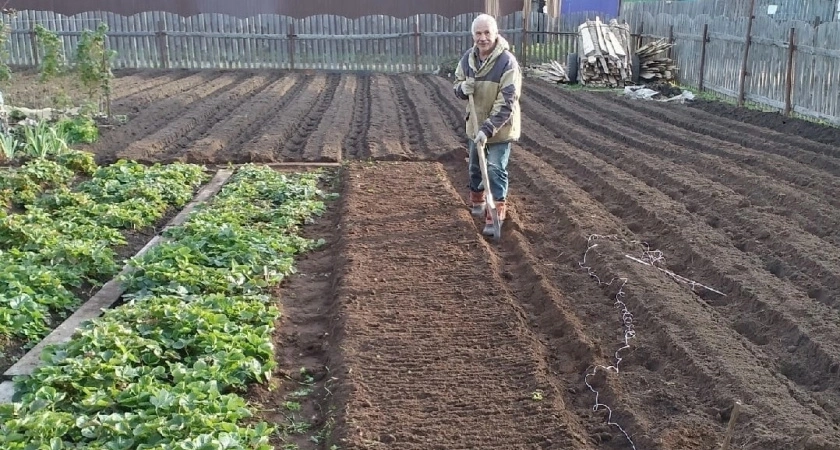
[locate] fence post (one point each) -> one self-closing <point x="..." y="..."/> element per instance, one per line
<point x="670" y="41"/>
<point x="789" y="75"/>
<point x="641" y="32"/>
<point x="163" y="46"/>
<point x="291" y="40"/>
<point x="747" y="42"/>
<point x="526" y="18"/>
<point x="33" y="38"/>
<point x="417" y="44"/>
<point x="703" y="56"/>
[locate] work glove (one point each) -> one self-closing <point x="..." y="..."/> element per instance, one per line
<point x="468" y="86"/>
<point x="480" y="139"/>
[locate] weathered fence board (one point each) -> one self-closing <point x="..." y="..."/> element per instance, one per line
<point x="810" y="10"/>
<point x="377" y="43"/>
<point x="422" y="43"/>
<point x="816" y="58"/>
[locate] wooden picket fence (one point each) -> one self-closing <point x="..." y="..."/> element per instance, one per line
<point x="791" y="66"/>
<point x="324" y="42"/>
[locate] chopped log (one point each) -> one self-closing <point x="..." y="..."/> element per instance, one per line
<point x="653" y="67"/>
<point x="603" y="58"/>
<point x="552" y="71"/>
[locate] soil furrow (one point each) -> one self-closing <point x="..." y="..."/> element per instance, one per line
<point x="757" y="184"/>
<point x="760" y="142"/>
<point x="743" y="363"/>
<point x="556" y="231"/>
<point x="824" y="141"/>
<point x="153" y="118"/>
<point x="786" y="250"/>
<point x="244" y="150"/>
<point x="241" y="96"/>
<point x="439" y="140"/>
<point x="557" y="217"/>
<point x="134" y="104"/>
<point x="414" y="133"/>
<point x="454" y="117"/>
<point x="266" y="142"/>
<point x="563" y="324"/>
<point x="804" y="171"/>
<point x="242" y="123"/>
<point x="413" y="382"/>
<point x="644" y="208"/>
<point x="277" y="135"/>
<point x="129" y="85"/>
<point x="356" y="145"/>
<point x="294" y="144"/>
<point x="190" y="125"/>
<point x="386" y="129"/>
<point x="325" y="142"/>
<point x="614" y="157"/>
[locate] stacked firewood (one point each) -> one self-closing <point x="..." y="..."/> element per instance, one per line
<point x="552" y="71"/>
<point x="652" y="65"/>
<point x="604" y="54"/>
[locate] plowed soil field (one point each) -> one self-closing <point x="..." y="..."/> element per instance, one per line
<point x="671" y="260"/>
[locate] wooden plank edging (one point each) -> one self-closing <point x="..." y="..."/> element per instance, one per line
<point x="109" y="293"/>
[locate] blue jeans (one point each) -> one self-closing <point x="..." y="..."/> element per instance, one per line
<point x="497" y="160"/>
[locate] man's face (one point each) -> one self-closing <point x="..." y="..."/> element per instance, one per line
<point x="484" y="37"/>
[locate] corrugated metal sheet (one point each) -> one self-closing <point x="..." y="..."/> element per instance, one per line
<point x="246" y="8"/>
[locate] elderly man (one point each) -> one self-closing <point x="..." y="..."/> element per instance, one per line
<point x="490" y="73"/>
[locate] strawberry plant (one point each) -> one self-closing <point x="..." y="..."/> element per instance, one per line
<point x="65" y="237"/>
<point x="166" y="369"/>
<point x="81" y="129"/>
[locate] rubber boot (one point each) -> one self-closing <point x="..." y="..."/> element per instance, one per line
<point x="477" y="203"/>
<point x="488" y="218"/>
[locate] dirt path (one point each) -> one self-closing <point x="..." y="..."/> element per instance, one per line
<point x="435" y="352"/>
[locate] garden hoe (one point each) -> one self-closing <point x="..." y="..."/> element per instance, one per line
<point x="482" y="163"/>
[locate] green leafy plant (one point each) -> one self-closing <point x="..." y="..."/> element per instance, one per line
<point x="52" y="53"/>
<point x="5" y="32"/>
<point x="78" y="161"/>
<point x="79" y="130"/>
<point x="166" y="367"/>
<point x="93" y="64"/>
<point x="64" y="237"/>
<point x="53" y="64"/>
<point x="43" y="140"/>
<point x="9" y="145"/>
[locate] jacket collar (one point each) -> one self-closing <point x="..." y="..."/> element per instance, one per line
<point x="501" y="46"/>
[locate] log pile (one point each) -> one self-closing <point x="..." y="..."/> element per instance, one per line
<point x="552" y="72"/>
<point x="604" y="54"/>
<point x="652" y="65"/>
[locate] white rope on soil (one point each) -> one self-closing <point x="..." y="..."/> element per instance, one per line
<point x="649" y="258"/>
<point x="629" y="333"/>
<point x="676" y="277"/>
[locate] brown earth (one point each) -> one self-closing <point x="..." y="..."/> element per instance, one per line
<point x="435" y="338"/>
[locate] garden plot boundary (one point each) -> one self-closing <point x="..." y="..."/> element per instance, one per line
<point x="106" y="296"/>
